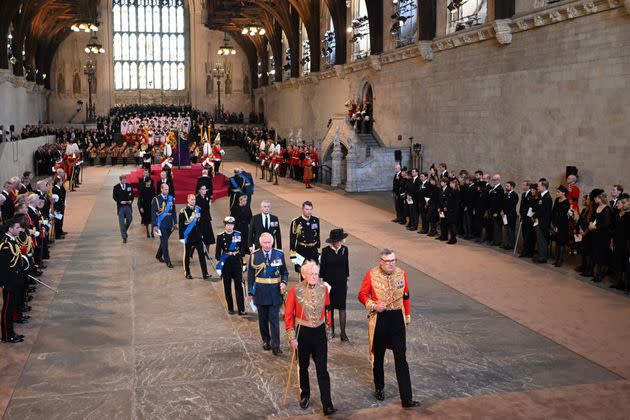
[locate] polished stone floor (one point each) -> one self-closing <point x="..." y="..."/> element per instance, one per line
<point x="129" y="338"/>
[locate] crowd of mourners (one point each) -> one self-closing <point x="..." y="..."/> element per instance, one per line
<point x="481" y="207"/>
<point x="32" y="219"/>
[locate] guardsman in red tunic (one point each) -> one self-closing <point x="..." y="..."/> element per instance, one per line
<point x="385" y="294"/>
<point x="307" y="318"/>
<point x="262" y="156"/>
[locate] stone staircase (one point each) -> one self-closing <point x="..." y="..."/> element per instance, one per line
<point x="369" y="140"/>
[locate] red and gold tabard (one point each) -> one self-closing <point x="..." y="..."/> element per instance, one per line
<point x="574" y="198"/>
<point x="306" y="305"/>
<point x="389" y="289"/>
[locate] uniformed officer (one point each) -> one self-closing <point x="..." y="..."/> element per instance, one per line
<point x="267" y="279"/>
<point x="11" y="273"/>
<point x="304" y="236"/>
<point x="236" y="187"/>
<point x="190" y="236"/>
<point x="164" y="219"/>
<point x="230" y="250"/>
<point x="307" y="316"/>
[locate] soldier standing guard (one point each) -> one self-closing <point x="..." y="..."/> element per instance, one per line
<point x="190" y="236"/>
<point x="230" y="250"/>
<point x="304" y="236"/>
<point x="164" y="221"/>
<point x="11" y="273"/>
<point x="385" y="294"/>
<point x="308" y="308"/>
<point x="267" y="279"/>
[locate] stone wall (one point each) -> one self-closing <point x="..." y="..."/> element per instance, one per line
<point x="17" y="157"/>
<point x="558" y="95"/>
<point x="23" y="102"/>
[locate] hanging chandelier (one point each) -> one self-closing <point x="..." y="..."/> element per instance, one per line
<point x="86" y="26"/>
<point x="94" y="46"/>
<point x="253" y="30"/>
<point x="226" y="48"/>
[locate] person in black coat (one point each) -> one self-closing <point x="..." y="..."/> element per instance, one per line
<point x="496" y="195"/>
<point x="600" y="230"/>
<point x="264" y="222"/>
<point x="59" y="204"/>
<point x="468" y="200"/>
<point x="542" y="221"/>
<point x="583" y="237"/>
<point x="423" y="194"/>
<point x="402" y="196"/>
<point x="620" y="239"/>
<point x="395" y="189"/>
<point x="203" y="201"/>
<point x="432" y="205"/>
<point x="527" y="228"/>
<point x="206" y="180"/>
<point x="229" y="253"/>
<point x="11" y="279"/>
<point x="412" y="191"/>
<point x="509" y="211"/>
<point x="145" y="197"/>
<point x="335" y="270"/>
<point x="560" y="221"/>
<point x="453" y="209"/>
<point x="242" y="216"/>
<point x="165" y="179"/>
<point x="123" y="195"/>
<point x="444" y="192"/>
<point x="480" y="210"/>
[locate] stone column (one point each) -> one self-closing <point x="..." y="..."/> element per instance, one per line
<point x="336" y="161"/>
<point x="351" y="162"/>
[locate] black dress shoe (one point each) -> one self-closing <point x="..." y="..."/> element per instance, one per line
<point x="344" y="337"/>
<point x="266" y="346"/>
<point x="329" y="410"/>
<point x="169" y="265"/>
<point x="25" y="317"/>
<point x="379" y="395"/>
<point x="304" y="403"/>
<point x="13" y="340"/>
<point x="20" y="336"/>
<point x="189" y="277"/>
<point x="231" y="312"/>
<point x="241" y="313"/>
<point x="276" y="351"/>
<point x="124" y="240"/>
<point x="206" y="276"/>
<point x="451" y="242"/>
<point x="410" y="403"/>
<point x="160" y="259"/>
<point x="539" y="261"/>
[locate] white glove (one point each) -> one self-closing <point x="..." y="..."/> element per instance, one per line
<point x="37" y="233"/>
<point x="55" y="197"/>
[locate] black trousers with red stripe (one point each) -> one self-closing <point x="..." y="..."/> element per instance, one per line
<point x="9" y="302"/>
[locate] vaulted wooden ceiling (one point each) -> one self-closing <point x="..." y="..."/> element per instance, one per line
<point x="38" y="27"/>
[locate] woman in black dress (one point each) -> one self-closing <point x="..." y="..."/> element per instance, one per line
<point x="560" y="221"/>
<point x="621" y="240"/>
<point x="243" y="216"/>
<point x="335" y="270"/>
<point x="145" y="196"/>
<point x="600" y="230"/>
<point x="205" y="219"/>
<point x="433" y="203"/>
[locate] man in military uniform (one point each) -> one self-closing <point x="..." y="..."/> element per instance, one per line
<point x="267" y="279"/>
<point x="230" y="251"/>
<point x="236" y="188"/>
<point x="308" y="308"/>
<point x="11" y="273"/>
<point x="248" y="185"/>
<point x="190" y="236"/>
<point x="385" y="294"/>
<point x="163" y="218"/>
<point x="304" y="236"/>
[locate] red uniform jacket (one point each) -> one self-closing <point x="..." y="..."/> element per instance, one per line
<point x="307" y="306"/>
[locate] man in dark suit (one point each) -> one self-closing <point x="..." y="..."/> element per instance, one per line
<point x="8" y="207"/>
<point x="542" y="217"/>
<point x="264" y="222"/>
<point x="267" y="278"/>
<point x="163" y="217"/>
<point x="496" y="195"/>
<point x="422" y="202"/>
<point x="412" y="189"/>
<point x="527" y="229"/>
<point x="395" y="189"/>
<point x="165" y="179"/>
<point x="509" y="211"/>
<point x="123" y="196"/>
<point x="206" y="180"/>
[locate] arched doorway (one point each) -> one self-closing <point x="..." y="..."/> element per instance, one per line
<point x="366" y="107"/>
<point x="325" y="173"/>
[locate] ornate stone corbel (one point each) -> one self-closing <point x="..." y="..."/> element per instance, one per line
<point x="522" y="25"/>
<point x="503" y="31"/>
<point x="571" y="12"/>
<point x="375" y="61"/>
<point x="589" y="6"/>
<point x="555" y="16"/>
<point x="426" y="50"/>
<point x="340" y="70"/>
<point x="538" y="20"/>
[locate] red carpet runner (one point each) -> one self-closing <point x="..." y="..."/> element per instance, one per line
<point x="184" y="180"/>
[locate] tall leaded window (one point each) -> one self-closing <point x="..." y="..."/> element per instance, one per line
<point x="149" y="45"/>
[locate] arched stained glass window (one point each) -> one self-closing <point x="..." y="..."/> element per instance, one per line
<point x="149" y="45"/>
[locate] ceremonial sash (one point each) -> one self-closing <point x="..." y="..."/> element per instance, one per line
<point x="167" y="208"/>
<point x="236" y="236"/>
<point x="191" y="225"/>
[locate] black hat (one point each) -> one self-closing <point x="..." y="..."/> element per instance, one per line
<point x="564" y="189"/>
<point x="336" y="235"/>
<point x="595" y="193"/>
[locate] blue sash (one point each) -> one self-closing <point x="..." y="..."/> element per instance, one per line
<point x="167" y="208"/>
<point x="249" y="188"/>
<point x="224" y="257"/>
<point x="269" y="273"/>
<point x="191" y="225"/>
<point x="234" y="184"/>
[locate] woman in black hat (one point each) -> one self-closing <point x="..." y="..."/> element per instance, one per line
<point x="560" y="221"/>
<point x="335" y="270"/>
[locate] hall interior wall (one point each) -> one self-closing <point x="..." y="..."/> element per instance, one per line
<point x="204" y="43"/>
<point x="23" y="103"/>
<point x="557" y="95"/>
